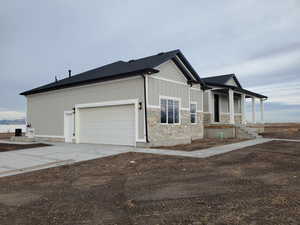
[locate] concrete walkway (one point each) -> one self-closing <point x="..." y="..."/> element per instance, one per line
<point x="204" y="153"/>
<point x="21" y="161"/>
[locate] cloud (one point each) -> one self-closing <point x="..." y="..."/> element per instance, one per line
<point x="257" y="40"/>
<point x="11" y="115"/>
<point x="263" y="66"/>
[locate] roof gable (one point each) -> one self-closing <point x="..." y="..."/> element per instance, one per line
<point x="227" y="79"/>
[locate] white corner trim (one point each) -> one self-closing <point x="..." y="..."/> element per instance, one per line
<point x="141" y="140"/>
<point x="135" y="102"/>
<point x="48" y="136"/>
<point x="185" y="109"/>
<point x="168" y="80"/>
<point x="153" y="106"/>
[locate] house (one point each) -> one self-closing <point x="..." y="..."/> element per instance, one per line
<point x="152" y="101"/>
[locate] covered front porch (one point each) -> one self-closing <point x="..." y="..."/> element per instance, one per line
<point x="227" y="106"/>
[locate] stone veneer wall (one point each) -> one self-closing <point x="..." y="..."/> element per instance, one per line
<point x="172" y="134"/>
<point x="224" y="118"/>
<point x="207" y="118"/>
<point x="238" y="119"/>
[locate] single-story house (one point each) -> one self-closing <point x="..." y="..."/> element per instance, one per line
<point x="152" y="101"/>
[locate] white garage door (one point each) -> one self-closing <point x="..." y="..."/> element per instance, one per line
<point x="107" y="125"/>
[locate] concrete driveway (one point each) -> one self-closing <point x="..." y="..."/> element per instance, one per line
<point x="21" y="161"/>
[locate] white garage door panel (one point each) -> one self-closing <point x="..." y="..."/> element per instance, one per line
<point x="107" y="125"/>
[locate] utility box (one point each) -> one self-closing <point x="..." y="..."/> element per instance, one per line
<point x="18" y="132"/>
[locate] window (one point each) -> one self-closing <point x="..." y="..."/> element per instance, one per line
<point x="169" y="111"/>
<point x="193" y="112"/>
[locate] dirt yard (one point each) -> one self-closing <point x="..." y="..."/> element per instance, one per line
<point x="282" y="130"/>
<point x="12" y="147"/>
<point x="257" y="185"/>
<point x="202" y="144"/>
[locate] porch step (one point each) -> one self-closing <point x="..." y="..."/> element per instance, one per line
<point x="248" y="131"/>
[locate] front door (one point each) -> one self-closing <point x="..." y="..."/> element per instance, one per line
<point x="68" y="126"/>
<point x="216" y="107"/>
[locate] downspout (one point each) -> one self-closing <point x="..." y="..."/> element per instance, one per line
<point x="145" y="109"/>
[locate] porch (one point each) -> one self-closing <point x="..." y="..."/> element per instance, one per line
<point x="227" y="106"/>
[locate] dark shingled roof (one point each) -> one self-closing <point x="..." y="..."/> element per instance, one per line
<point x="120" y="69"/>
<point x="220" y="81"/>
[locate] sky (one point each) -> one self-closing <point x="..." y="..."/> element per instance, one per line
<point x="258" y="40"/>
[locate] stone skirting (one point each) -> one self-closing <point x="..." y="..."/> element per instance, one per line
<point x="238" y="119"/>
<point x="224" y="118"/>
<point x="173" y="134"/>
<point x="207" y="118"/>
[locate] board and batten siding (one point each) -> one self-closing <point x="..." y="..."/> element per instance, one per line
<point x="168" y="70"/>
<point x="197" y="96"/>
<point x="159" y="88"/>
<point x="231" y="82"/>
<point x="45" y="111"/>
<point x="172" y="83"/>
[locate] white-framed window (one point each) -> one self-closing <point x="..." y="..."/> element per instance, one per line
<point x="169" y="111"/>
<point x="193" y="112"/>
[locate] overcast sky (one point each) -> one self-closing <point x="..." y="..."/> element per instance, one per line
<point x="259" y="41"/>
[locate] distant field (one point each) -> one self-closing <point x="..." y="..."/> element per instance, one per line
<point x="282" y="130"/>
<point x="11" y="128"/>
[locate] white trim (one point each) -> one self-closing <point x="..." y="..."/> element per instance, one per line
<point x="262" y="110"/>
<point x="195" y="89"/>
<point x="135" y="102"/>
<point x="185" y="109"/>
<point x="88" y="85"/>
<point x="179" y="109"/>
<point x="106" y="103"/>
<point x="48" y="136"/>
<point x="168" y="80"/>
<point x="141" y="140"/>
<point x="153" y="106"/>
<point x="146" y="103"/>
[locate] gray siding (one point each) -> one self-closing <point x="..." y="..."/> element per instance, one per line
<point x="205" y="102"/>
<point x="170" y="71"/>
<point x="231" y="82"/>
<point x="45" y="111"/>
<point x="196" y="96"/>
<point x="165" y="88"/>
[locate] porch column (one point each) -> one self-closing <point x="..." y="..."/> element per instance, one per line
<point x="210" y="105"/>
<point x="231" y="106"/>
<point x="253" y="110"/>
<point x="243" y="108"/>
<point x="262" y="110"/>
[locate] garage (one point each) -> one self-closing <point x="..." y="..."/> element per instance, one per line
<point x="107" y="125"/>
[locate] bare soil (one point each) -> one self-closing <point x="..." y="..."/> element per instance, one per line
<point x="13" y="147"/>
<point x="282" y="130"/>
<point x="202" y="144"/>
<point x="256" y="185"/>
